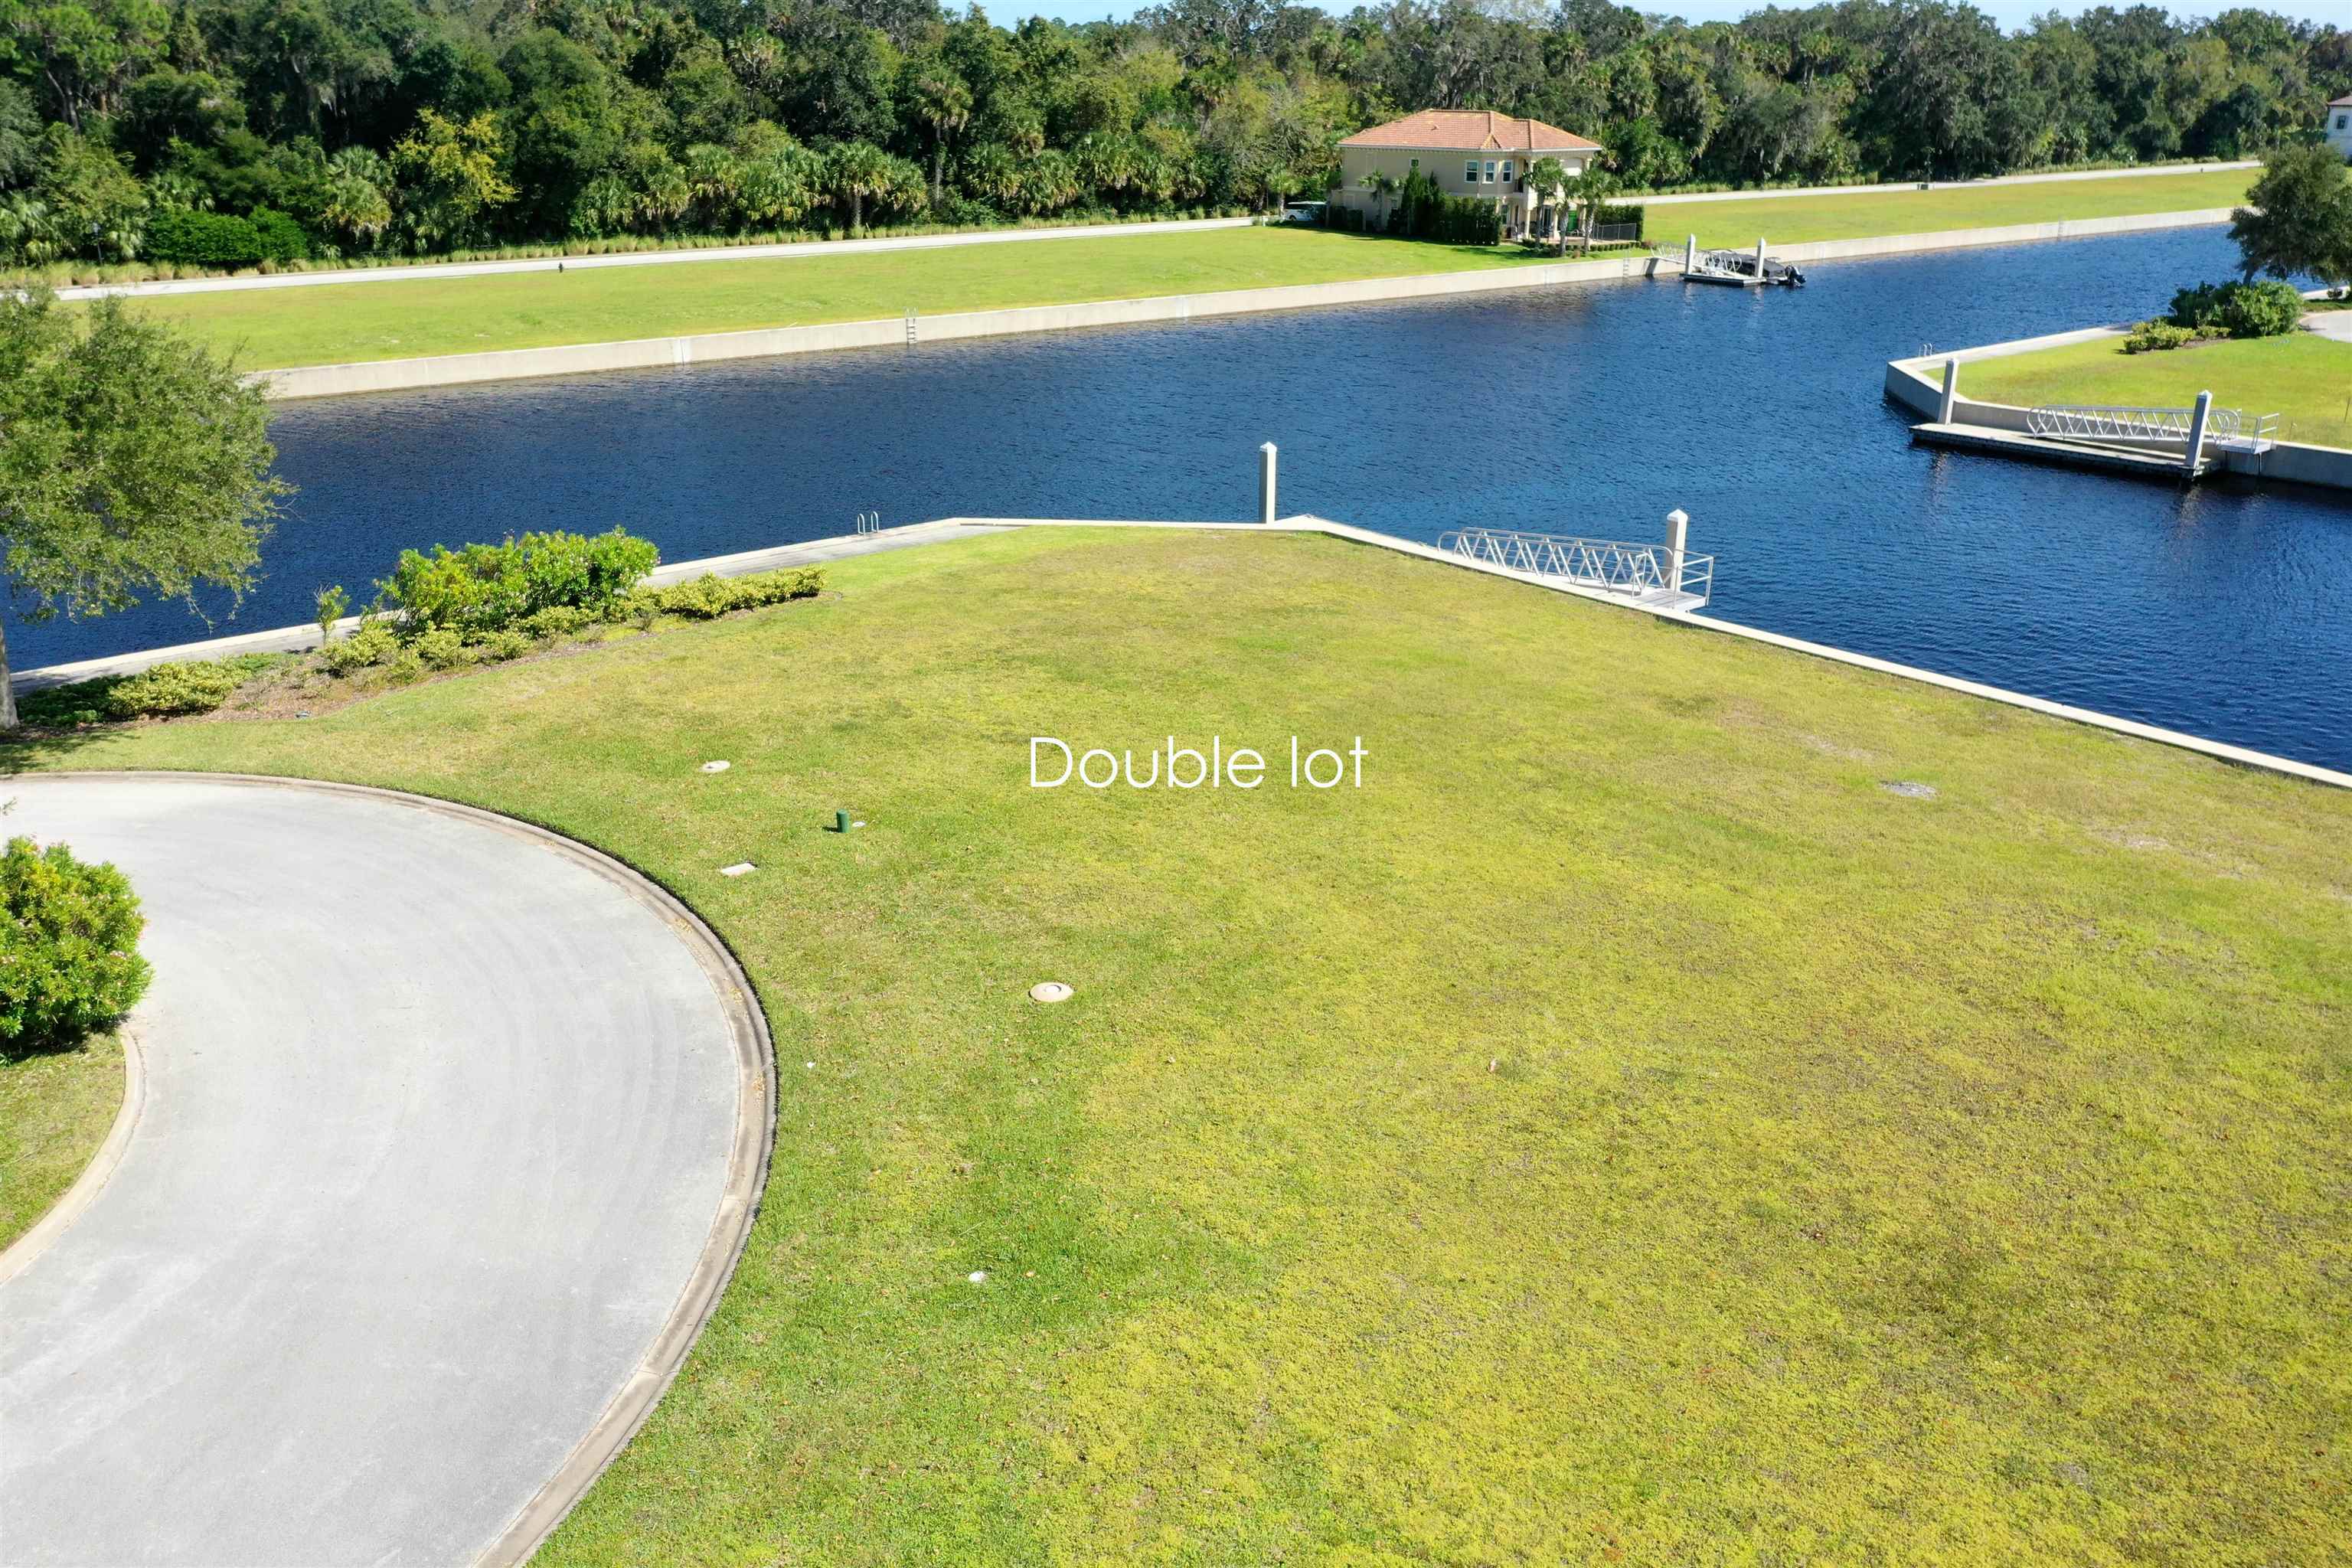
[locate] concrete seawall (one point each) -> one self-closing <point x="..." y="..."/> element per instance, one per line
<point x="642" y="353"/>
<point x="1918" y="384"/>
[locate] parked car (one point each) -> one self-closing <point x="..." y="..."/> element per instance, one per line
<point x="1304" y="212"/>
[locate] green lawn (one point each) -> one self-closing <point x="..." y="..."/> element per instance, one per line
<point x="1623" y="1130"/>
<point x="2306" y="378"/>
<point x="420" y="314"/>
<point x="55" y="1110"/>
<point x="1787" y="220"/>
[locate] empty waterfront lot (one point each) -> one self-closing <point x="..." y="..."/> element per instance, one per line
<point x="2304" y="378"/>
<point x="421" y="315"/>
<point x="1622" y="1130"/>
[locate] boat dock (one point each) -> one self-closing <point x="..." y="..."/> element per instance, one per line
<point x="2169" y="466"/>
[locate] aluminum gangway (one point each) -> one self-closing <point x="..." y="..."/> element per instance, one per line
<point x="1658" y="576"/>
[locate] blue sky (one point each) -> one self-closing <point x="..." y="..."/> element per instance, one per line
<point x="2011" y="14"/>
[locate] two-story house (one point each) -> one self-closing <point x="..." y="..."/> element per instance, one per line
<point x="2338" y="124"/>
<point x="1468" y="151"/>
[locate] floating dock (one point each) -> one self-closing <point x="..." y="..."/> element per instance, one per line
<point x="2171" y="466"/>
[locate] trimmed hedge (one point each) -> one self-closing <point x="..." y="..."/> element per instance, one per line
<point x="707" y="597"/>
<point x="69" y="947"/>
<point x="188" y="238"/>
<point x="159" y="691"/>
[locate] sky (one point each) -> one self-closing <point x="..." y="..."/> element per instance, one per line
<point x="2010" y="14"/>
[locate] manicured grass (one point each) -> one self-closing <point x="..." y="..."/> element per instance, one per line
<point x="1622" y="1130"/>
<point x="1788" y="220"/>
<point x="420" y="314"/>
<point x="351" y="321"/>
<point x="54" y="1109"/>
<point x="2303" y="377"/>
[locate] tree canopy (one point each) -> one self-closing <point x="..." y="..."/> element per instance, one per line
<point x="132" y="462"/>
<point x="352" y="127"/>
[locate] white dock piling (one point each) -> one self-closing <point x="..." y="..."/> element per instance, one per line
<point x="1690" y="255"/>
<point x="2197" y="432"/>
<point x="1760" y="260"/>
<point x="1265" y="482"/>
<point x="1951" y="392"/>
<point x="1677" y="540"/>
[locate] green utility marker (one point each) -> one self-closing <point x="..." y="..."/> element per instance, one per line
<point x="841" y="822"/>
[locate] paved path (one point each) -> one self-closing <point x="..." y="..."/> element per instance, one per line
<point x="2336" y="324"/>
<point x="789" y="251"/>
<point x="443" y="1127"/>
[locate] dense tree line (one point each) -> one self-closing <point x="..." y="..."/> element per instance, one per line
<point x="229" y="131"/>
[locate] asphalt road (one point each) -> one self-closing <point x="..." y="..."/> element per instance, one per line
<point x="441" y="1122"/>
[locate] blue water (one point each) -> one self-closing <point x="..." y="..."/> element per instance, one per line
<point x="2225" y="610"/>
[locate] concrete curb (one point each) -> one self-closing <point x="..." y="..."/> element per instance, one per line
<point x="21" y="1252"/>
<point x="748" y="1158"/>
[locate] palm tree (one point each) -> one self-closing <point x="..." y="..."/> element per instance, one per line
<point x="857" y="170"/>
<point x="943" y="101"/>
<point x="1548" y="178"/>
<point x="1382" y="187"/>
<point x="1587" y="191"/>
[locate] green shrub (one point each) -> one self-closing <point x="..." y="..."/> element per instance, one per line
<point x="2151" y="335"/>
<point x="499" y="647"/>
<point x="164" y="691"/>
<point x="409" y="667"/>
<point x="555" y="621"/>
<point x="2266" y="309"/>
<point x="372" y="644"/>
<point x="707" y="597"/>
<point x="69" y="947"/>
<point x="205" y="239"/>
<point x="443" y="648"/>
<point x="482" y="587"/>
<point x="280" y="237"/>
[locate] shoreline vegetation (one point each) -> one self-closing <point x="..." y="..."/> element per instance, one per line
<point x="2002" y="1113"/>
<point x="377" y="320"/>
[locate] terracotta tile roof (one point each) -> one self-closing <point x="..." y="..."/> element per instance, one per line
<point x="2332" y="103"/>
<point x="1469" y="130"/>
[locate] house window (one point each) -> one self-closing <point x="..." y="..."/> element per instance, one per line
<point x="1470" y="174"/>
<point x="1506" y="171"/>
<point x="2343" y="120"/>
<point x="1490" y="171"/>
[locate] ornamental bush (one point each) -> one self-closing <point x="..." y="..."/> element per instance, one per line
<point x="2151" y="335"/>
<point x="707" y="597"/>
<point x="2265" y="310"/>
<point x="161" y="691"/>
<point x="484" y="587"/>
<point x="69" y="947"/>
<point x="204" y="239"/>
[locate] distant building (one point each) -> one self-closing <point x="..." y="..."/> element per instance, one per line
<point x="1468" y="151"/>
<point x="2339" y="125"/>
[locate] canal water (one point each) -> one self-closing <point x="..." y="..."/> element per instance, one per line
<point x="2225" y="610"/>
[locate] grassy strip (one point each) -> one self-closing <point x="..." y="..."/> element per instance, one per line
<point x="1622" y="1127"/>
<point x="2303" y="377"/>
<point x="425" y="315"/>
<point x="54" y="1109"/>
<point x="1788" y="221"/>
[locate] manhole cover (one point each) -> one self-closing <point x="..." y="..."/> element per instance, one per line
<point x="1049" y="991"/>
<point x="716" y="767"/>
